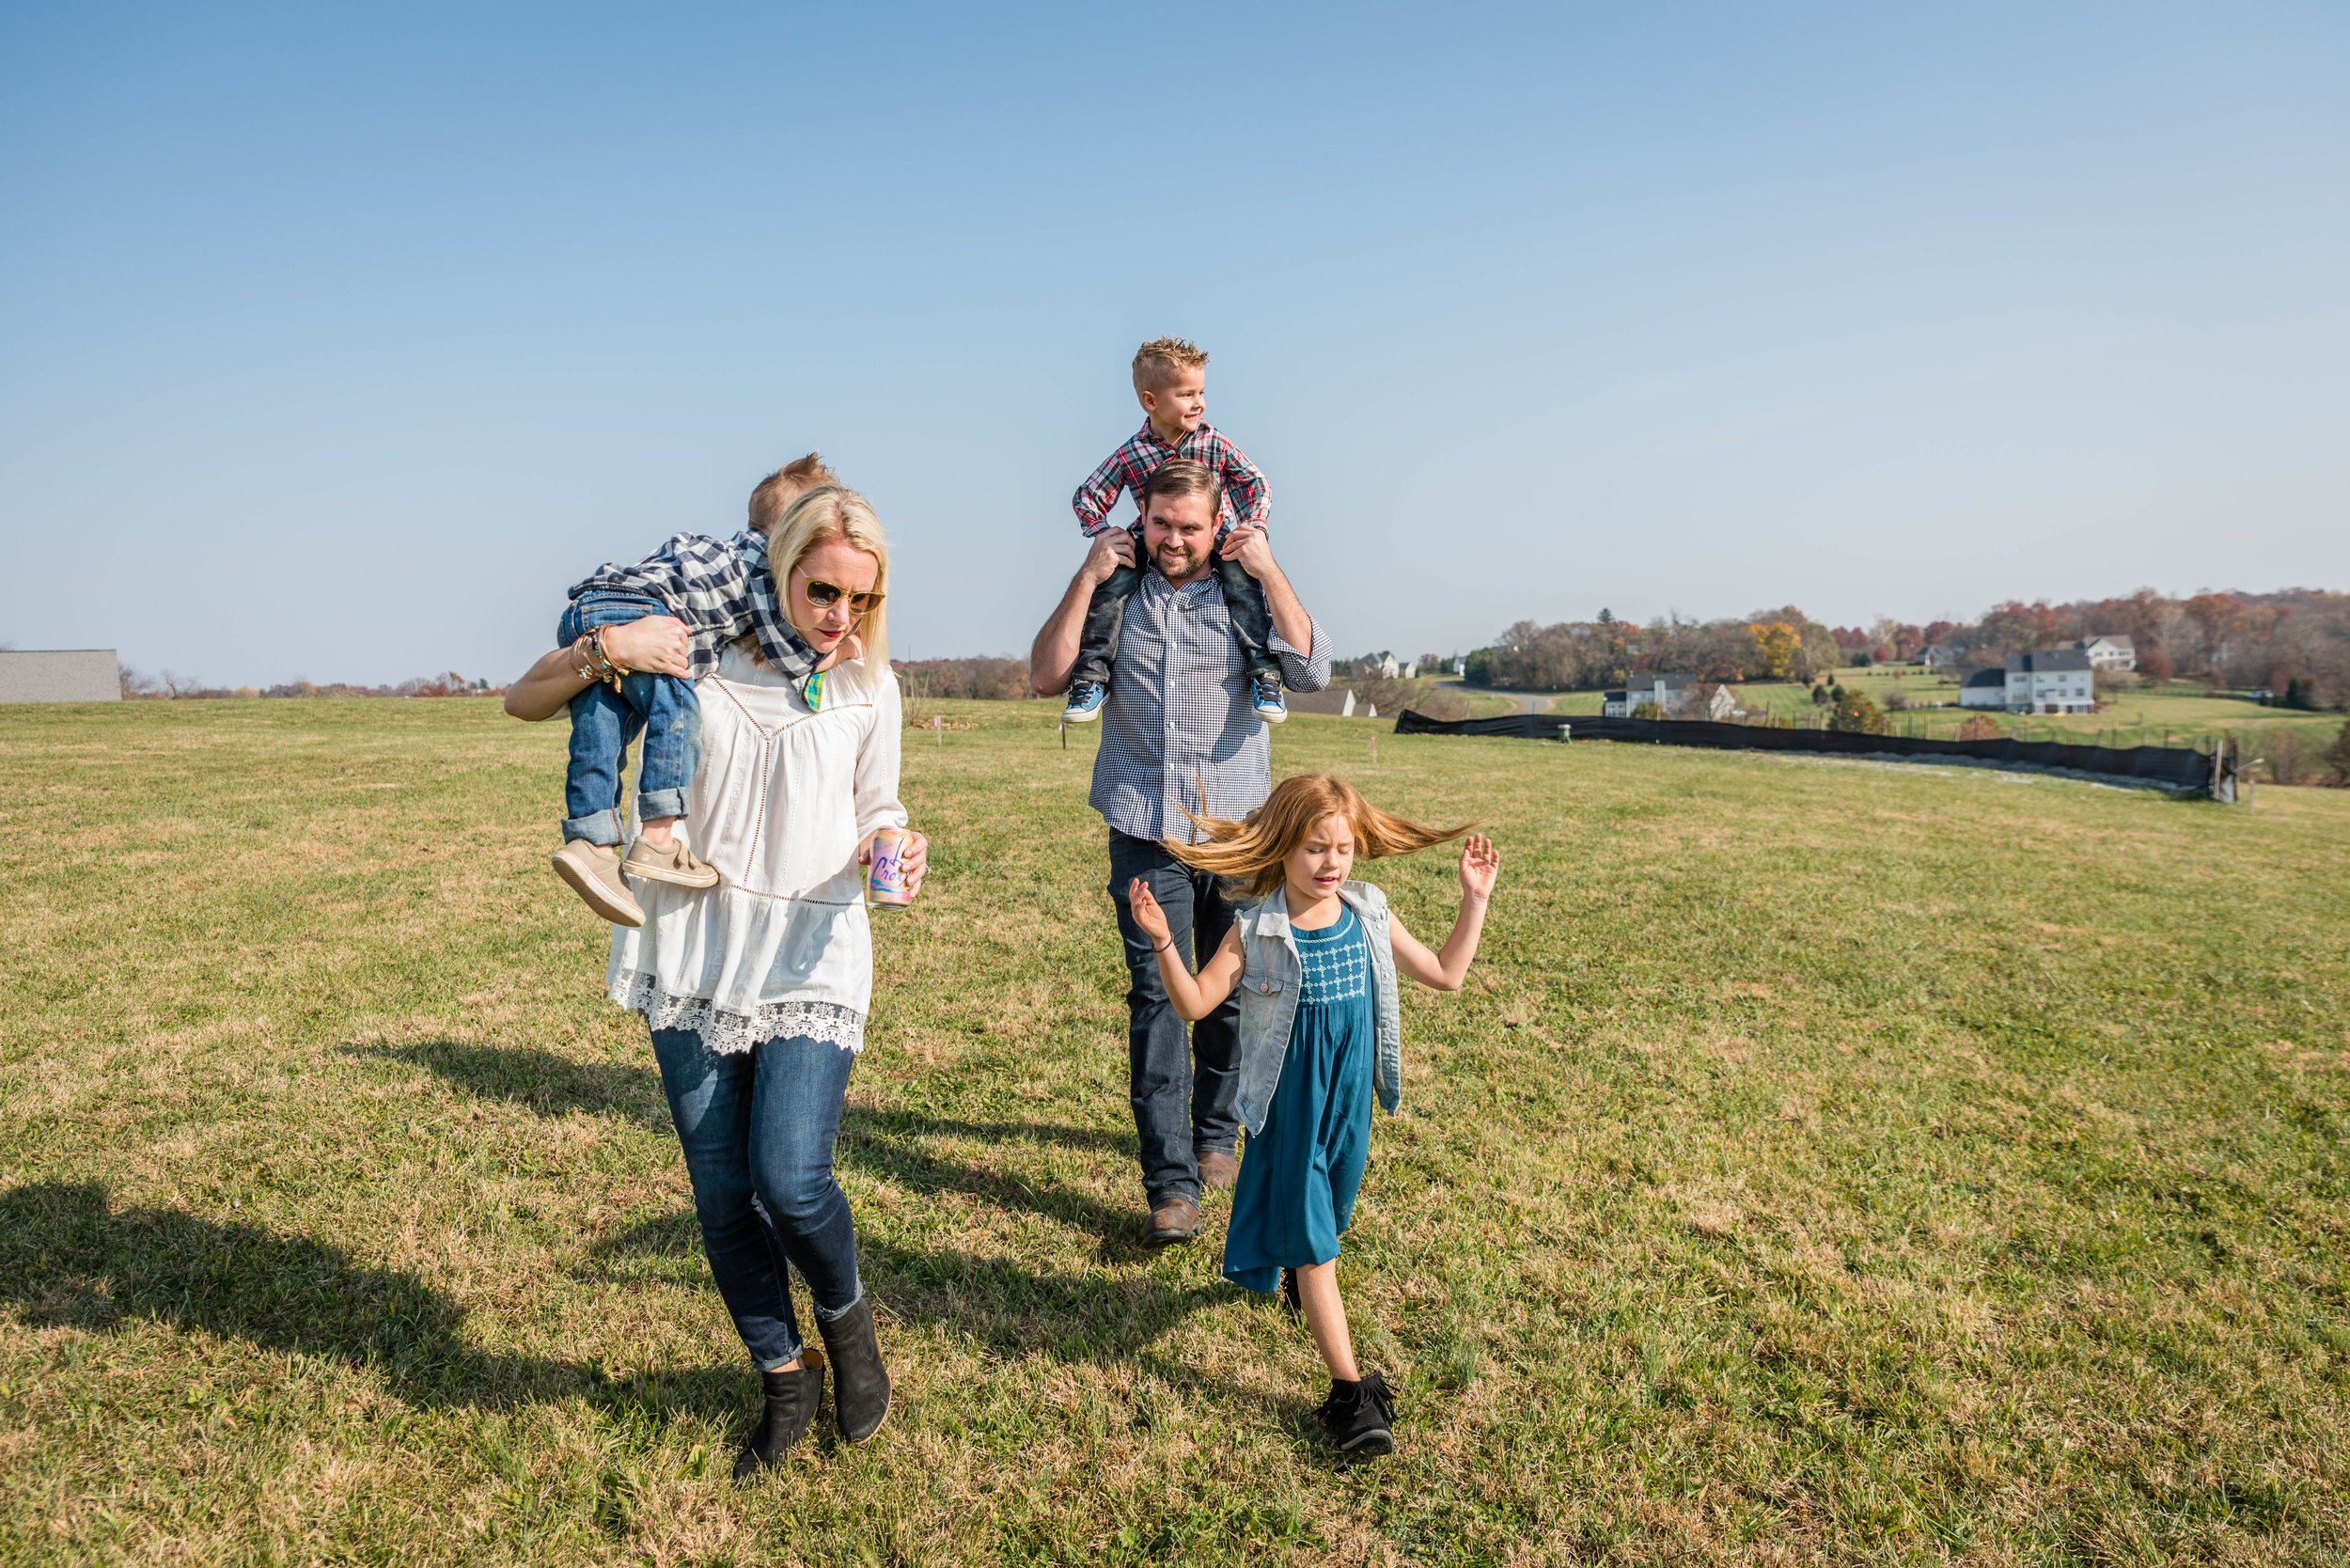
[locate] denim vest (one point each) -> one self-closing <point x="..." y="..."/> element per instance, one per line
<point x="1270" y="977"/>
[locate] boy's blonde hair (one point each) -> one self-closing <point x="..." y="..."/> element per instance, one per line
<point x="1249" y="855"/>
<point x="779" y="488"/>
<point x="1162" y="357"/>
<point x="832" y="513"/>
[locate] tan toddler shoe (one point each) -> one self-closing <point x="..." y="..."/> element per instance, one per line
<point x="676" y="864"/>
<point x="594" y="874"/>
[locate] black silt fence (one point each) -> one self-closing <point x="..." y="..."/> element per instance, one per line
<point x="2175" y="767"/>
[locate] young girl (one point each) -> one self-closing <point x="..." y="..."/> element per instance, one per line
<point x="1315" y="958"/>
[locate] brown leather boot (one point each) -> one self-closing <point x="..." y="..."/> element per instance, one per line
<point x="1176" y="1219"/>
<point x="1218" y="1167"/>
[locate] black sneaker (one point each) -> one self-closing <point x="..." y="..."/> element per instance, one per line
<point x="1359" y="1416"/>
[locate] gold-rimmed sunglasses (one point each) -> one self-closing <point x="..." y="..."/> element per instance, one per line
<point x="825" y="595"/>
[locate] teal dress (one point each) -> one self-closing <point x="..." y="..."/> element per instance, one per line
<point x="1298" y="1176"/>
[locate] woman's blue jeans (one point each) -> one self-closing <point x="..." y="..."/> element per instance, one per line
<point x="604" y="722"/>
<point x="758" y="1129"/>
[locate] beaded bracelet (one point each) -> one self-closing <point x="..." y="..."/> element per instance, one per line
<point x="607" y="667"/>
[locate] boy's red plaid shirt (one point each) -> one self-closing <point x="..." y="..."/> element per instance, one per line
<point x="1247" y="500"/>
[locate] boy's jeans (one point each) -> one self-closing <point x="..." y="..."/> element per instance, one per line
<point x="1106" y="617"/>
<point x="604" y="722"/>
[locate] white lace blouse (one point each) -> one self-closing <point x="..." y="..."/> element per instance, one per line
<point x="780" y="803"/>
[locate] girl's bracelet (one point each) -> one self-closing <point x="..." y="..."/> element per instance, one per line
<point x="1171" y="942"/>
<point x="583" y="660"/>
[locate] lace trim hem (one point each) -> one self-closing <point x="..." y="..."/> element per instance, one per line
<point x="731" y="1033"/>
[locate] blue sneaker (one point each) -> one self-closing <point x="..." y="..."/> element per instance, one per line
<point x="1085" y="701"/>
<point x="1268" y="702"/>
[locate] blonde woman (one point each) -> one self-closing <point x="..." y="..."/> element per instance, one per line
<point x="756" y="990"/>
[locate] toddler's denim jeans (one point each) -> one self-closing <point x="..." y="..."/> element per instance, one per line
<point x="604" y="722"/>
<point x="1106" y="617"/>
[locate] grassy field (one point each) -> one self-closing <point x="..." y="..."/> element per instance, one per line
<point x="2176" y="712"/>
<point x="1828" y="1162"/>
<point x="2183" y="713"/>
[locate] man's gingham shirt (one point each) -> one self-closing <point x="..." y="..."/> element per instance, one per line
<point x="720" y="588"/>
<point x="1179" y="720"/>
<point x="1247" y="500"/>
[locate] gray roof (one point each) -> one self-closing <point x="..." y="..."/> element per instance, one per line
<point x="2047" y="661"/>
<point x="2111" y="641"/>
<point x="59" y="675"/>
<point x="1994" y="675"/>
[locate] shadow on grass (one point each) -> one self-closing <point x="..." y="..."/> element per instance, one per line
<point x="1005" y="1308"/>
<point x="538" y="1081"/>
<point x="68" y="1258"/>
<point x="892" y="1143"/>
<point x="888" y="1143"/>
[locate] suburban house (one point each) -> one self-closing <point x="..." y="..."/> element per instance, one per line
<point x="59" y="675"/>
<point x="1675" y="693"/>
<point x="2052" y="680"/>
<point x="2108" y="652"/>
<point x="1386" y="666"/>
<point x="1940" y="655"/>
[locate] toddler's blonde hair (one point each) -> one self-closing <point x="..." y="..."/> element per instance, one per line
<point x="1249" y="854"/>
<point x="1162" y="357"/>
<point x="786" y="485"/>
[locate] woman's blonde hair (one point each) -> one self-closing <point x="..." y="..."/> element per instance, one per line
<point x="1248" y="855"/>
<point x="825" y="514"/>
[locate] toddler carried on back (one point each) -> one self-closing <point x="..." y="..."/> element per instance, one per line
<point x="722" y="590"/>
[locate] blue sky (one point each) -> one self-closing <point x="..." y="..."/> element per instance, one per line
<point x="336" y="344"/>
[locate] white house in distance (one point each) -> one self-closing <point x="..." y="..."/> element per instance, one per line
<point x="59" y="675"/>
<point x="2052" y="680"/>
<point x="2108" y="652"/>
<point x="1940" y="655"/>
<point x="1675" y="693"/>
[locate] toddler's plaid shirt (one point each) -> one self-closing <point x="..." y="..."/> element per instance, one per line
<point x="720" y="588"/>
<point x="1248" y="502"/>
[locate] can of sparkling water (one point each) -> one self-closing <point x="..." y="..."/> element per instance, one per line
<point x="886" y="873"/>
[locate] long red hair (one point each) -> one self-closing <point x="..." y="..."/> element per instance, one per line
<point x="1249" y="854"/>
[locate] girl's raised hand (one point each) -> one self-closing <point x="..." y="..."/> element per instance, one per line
<point x="1480" y="867"/>
<point x="1148" y="914"/>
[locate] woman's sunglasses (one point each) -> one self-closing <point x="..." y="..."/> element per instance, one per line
<point x="825" y="595"/>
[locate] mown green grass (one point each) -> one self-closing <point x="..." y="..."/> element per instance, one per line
<point x="1827" y="1163"/>
<point x="2175" y="713"/>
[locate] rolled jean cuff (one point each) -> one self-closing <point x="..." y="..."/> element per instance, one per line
<point x="596" y="827"/>
<point x="834" y="1316"/>
<point x="775" y="1363"/>
<point x="653" y="804"/>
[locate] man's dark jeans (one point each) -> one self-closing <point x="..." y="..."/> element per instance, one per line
<point x="1106" y="617"/>
<point x="1186" y="1092"/>
<point x="758" y="1129"/>
<point x="604" y="721"/>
